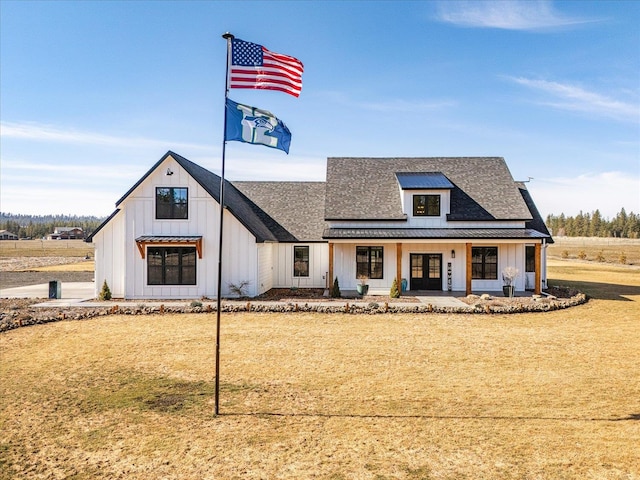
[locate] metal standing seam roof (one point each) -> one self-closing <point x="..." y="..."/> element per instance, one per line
<point x="423" y="180"/>
<point x="432" y="233"/>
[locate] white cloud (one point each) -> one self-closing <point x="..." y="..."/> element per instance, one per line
<point x="50" y="133"/>
<point x="605" y="191"/>
<point x="575" y="98"/>
<point x="509" y="15"/>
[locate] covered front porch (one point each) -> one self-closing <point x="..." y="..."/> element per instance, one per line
<point x="455" y="266"/>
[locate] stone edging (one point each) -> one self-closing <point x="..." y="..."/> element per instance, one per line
<point x="17" y="319"/>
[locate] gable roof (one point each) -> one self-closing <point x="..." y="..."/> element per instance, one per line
<point x="367" y="188"/>
<point x="297" y="206"/>
<point x="257" y="221"/>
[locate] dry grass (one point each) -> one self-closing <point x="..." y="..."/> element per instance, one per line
<point x="609" y="250"/>
<point x="535" y="396"/>
<point x="46" y="248"/>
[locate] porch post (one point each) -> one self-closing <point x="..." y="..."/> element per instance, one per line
<point x="399" y="266"/>
<point x="468" y="272"/>
<point x="538" y="263"/>
<point x="330" y="265"/>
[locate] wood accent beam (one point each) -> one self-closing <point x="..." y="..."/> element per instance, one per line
<point x="538" y="265"/>
<point x="467" y="274"/>
<point x="399" y="266"/>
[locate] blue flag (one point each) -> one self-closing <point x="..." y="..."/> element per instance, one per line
<point x="253" y="125"/>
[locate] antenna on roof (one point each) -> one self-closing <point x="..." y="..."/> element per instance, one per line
<point x="528" y="180"/>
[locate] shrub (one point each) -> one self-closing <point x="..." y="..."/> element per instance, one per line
<point x="582" y="255"/>
<point x="622" y="258"/>
<point x="600" y="257"/>
<point x="394" y="293"/>
<point x="105" y="293"/>
<point x="335" y="289"/>
<point x="565" y="254"/>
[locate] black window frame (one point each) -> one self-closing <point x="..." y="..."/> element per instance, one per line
<point x="529" y="258"/>
<point x="166" y="263"/>
<point x="481" y="266"/>
<point x="427" y="205"/>
<point x="370" y="262"/>
<point x="178" y="209"/>
<point x="301" y="261"/>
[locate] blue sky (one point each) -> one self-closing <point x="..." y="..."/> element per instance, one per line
<point x="93" y="93"/>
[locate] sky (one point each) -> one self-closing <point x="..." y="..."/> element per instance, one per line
<point x="94" y="93"/>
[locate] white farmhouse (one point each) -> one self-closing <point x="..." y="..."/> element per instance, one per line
<point x="437" y="223"/>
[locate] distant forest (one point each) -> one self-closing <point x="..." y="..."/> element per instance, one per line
<point x="39" y="226"/>
<point x="623" y="225"/>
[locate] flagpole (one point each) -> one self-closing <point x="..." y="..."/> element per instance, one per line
<point x="228" y="37"/>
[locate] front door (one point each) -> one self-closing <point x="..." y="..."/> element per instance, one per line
<point x="426" y="271"/>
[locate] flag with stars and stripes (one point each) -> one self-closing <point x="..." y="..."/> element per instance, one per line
<point x="253" y="66"/>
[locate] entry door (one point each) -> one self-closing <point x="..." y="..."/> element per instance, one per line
<point x="426" y="271"/>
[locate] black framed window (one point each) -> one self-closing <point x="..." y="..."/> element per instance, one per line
<point x="369" y="262"/>
<point x="172" y="202"/>
<point x="530" y="258"/>
<point x="426" y="205"/>
<point x="484" y="263"/>
<point x="301" y="261"/>
<point x="171" y="265"/>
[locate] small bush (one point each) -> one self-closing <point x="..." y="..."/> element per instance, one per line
<point x="600" y="256"/>
<point x="622" y="258"/>
<point x="335" y="289"/>
<point x="105" y="293"/>
<point x="565" y="254"/>
<point x="582" y="255"/>
<point x="394" y="293"/>
<point x="195" y="303"/>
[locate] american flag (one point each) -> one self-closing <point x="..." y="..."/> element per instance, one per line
<point x="253" y="66"/>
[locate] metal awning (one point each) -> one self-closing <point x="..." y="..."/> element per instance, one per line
<point x="172" y="240"/>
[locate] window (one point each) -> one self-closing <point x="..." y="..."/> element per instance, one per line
<point x="301" y="261"/>
<point x="369" y="261"/>
<point x="484" y="263"/>
<point x="171" y="266"/>
<point x="530" y="259"/>
<point x="426" y="205"/>
<point x="171" y="202"/>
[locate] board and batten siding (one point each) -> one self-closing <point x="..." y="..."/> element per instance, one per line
<point x="137" y="218"/>
<point x="283" y="266"/>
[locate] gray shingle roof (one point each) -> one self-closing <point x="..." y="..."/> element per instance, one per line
<point x="367" y="188"/>
<point x="296" y="206"/>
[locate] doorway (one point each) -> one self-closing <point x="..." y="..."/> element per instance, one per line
<point x="426" y="271"/>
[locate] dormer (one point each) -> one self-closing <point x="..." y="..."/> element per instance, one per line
<point x="425" y="197"/>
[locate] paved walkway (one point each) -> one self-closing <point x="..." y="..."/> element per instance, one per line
<point x="82" y="294"/>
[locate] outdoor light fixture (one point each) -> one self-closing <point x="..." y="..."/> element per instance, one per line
<point x="169" y="172"/>
<point x="453" y="254"/>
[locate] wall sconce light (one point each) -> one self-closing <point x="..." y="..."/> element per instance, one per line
<point x="169" y="172"/>
<point x="453" y="254"/>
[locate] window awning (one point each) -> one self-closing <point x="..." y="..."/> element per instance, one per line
<point x="169" y="240"/>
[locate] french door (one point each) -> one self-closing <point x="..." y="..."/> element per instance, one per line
<point x="426" y="271"/>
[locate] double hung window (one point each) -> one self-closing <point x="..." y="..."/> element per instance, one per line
<point x="301" y="261"/>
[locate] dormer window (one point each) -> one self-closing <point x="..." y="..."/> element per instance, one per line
<point x="426" y="205"/>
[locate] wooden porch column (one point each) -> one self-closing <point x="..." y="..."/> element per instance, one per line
<point x="468" y="270"/>
<point x="330" y="265"/>
<point x="399" y="266"/>
<point x="538" y="249"/>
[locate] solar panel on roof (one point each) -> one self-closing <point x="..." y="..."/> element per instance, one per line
<point x="422" y="180"/>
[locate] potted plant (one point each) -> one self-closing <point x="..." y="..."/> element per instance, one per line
<point x="362" y="287"/>
<point x="509" y="275"/>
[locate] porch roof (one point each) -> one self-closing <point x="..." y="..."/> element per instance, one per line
<point x="433" y="233"/>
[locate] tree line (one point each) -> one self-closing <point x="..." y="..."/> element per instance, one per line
<point x="39" y="226"/>
<point x="623" y="225"/>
